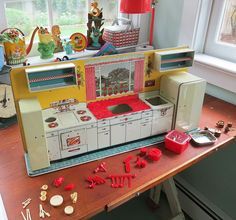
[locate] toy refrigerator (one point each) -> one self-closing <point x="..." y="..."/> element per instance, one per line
<point x="186" y="92"/>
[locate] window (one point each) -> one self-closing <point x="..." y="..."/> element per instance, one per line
<point x="70" y="15"/>
<point x="221" y="36"/>
<point x="114" y="78"/>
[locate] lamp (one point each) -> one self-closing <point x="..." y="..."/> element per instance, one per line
<point x="135" y="6"/>
<point x="140" y="7"/>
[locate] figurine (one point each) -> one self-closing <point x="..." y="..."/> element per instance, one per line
<point x="46" y="44"/>
<point x="94" y="32"/>
<point x="57" y="39"/>
<point x="95" y="37"/>
<point x="68" y="47"/>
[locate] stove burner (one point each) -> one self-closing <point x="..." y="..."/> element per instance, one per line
<point x="81" y="112"/>
<point x="50" y="119"/>
<point x="85" y="118"/>
<point x="53" y="125"/>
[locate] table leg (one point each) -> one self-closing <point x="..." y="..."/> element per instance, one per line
<point x="155" y="194"/>
<point x="172" y="197"/>
<point x="171" y="193"/>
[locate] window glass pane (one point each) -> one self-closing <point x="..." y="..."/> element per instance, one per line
<point x="228" y="27"/>
<point x="72" y="15"/>
<point x="109" y="9"/>
<point x="26" y="15"/>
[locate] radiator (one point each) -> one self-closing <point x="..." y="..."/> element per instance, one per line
<point x="195" y="205"/>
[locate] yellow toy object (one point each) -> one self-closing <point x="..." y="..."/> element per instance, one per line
<point x="57" y="39"/>
<point x="95" y="11"/>
<point x="14" y="44"/>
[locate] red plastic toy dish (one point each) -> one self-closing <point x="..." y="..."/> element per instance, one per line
<point x="154" y="154"/>
<point x="177" y="141"/>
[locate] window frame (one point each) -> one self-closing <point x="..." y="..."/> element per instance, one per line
<point x="192" y="32"/>
<point x="212" y="45"/>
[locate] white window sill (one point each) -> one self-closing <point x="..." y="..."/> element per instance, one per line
<point x="36" y="60"/>
<point x="215" y="71"/>
<point x="220" y="64"/>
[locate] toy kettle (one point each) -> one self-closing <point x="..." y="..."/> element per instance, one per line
<point x="14" y="45"/>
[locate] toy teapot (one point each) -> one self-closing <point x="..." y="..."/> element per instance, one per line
<point x="14" y="45"/>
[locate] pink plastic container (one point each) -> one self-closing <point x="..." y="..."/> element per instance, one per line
<point x="177" y="141"/>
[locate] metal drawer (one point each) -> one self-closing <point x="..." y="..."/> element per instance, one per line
<point x="144" y="120"/>
<point x="51" y="134"/>
<point x="92" y="125"/>
<point x="103" y="129"/>
<point x="146" y="114"/>
<point x="103" y="123"/>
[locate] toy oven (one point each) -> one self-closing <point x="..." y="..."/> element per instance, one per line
<point x="71" y="140"/>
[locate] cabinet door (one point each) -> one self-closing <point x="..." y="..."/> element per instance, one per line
<point x="145" y="130"/>
<point x="132" y="130"/>
<point x="92" y="138"/>
<point x="161" y="125"/>
<point x="117" y="134"/>
<point x="104" y="139"/>
<point x="53" y="148"/>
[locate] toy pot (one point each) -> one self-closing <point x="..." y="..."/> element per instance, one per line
<point x="16" y="52"/>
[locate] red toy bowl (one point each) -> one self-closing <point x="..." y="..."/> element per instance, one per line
<point x="177" y="141"/>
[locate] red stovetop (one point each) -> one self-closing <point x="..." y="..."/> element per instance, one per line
<point x="100" y="108"/>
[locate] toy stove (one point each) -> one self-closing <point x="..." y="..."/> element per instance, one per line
<point x="66" y="130"/>
<point x="75" y="115"/>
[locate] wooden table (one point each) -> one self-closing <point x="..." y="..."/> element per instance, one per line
<point x="16" y="186"/>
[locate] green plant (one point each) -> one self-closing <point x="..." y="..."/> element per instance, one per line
<point x="18" y="19"/>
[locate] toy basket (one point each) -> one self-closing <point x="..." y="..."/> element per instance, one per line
<point x="121" y="35"/>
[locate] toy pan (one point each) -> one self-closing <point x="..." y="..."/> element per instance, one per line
<point x="202" y="137"/>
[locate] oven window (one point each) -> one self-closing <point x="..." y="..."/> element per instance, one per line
<point x="73" y="141"/>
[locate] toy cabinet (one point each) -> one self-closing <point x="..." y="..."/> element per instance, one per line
<point x="162" y="120"/>
<point x="174" y="59"/>
<point x="118" y="133"/>
<point x="53" y="145"/>
<point x="51" y="77"/>
<point x="104" y="134"/>
<point x="91" y="132"/>
<point x="33" y="128"/>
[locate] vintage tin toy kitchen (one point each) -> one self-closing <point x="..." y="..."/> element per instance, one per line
<point x="81" y="106"/>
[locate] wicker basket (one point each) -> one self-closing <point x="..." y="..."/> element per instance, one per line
<point x="121" y="35"/>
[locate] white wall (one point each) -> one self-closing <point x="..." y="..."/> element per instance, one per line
<point x="167" y="23"/>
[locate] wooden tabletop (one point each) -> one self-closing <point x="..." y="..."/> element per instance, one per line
<point x="16" y="186"/>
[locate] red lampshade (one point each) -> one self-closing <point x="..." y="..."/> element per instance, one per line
<point x="135" y="6"/>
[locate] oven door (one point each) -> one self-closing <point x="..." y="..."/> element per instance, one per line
<point x="74" y="141"/>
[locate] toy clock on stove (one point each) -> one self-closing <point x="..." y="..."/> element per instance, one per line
<point x="7" y="106"/>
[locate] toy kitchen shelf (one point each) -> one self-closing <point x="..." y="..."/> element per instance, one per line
<point x="175" y="59"/>
<point x="51" y="77"/>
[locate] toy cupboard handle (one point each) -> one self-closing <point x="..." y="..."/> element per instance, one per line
<point x="13" y="28"/>
<point x="128" y="22"/>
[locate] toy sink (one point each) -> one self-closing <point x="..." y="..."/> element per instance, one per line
<point x="155" y="101"/>
<point x="119" y="109"/>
